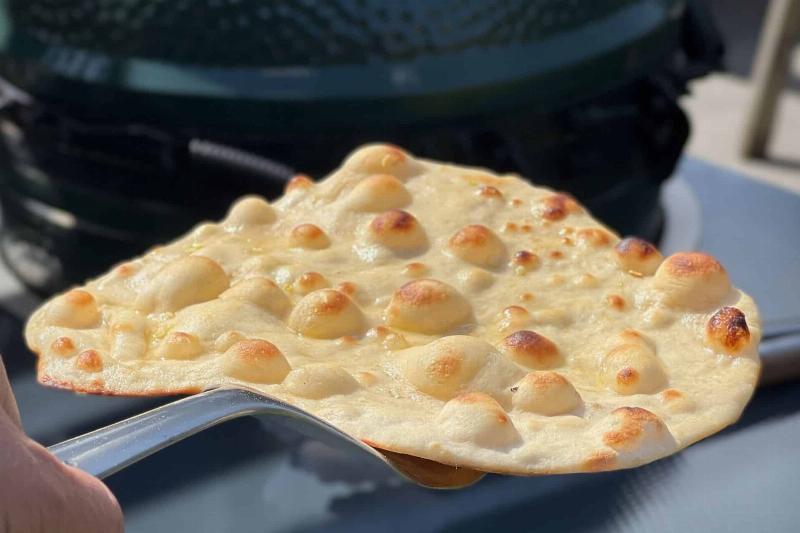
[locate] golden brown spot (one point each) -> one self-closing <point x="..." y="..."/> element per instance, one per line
<point x="636" y="248"/>
<point x="347" y="287"/>
<point x="487" y="191"/>
<point x="256" y="349"/>
<point x="89" y="361"/>
<point x="594" y="236"/>
<point x="421" y="293"/>
<point x="346" y="340"/>
<point x="526" y="297"/>
<point x="415" y="270"/>
<point x="125" y="270"/>
<point x="727" y="329"/>
<point x="326" y="314"/>
<point x="526" y="228"/>
<point x="331" y="302"/>
<point x="555" y="254"/>
<point x="397" y="230"/>
<point x="298" y="181"/>
<point x="367" y="378"/>
<point x="79" y="298"/>
<point x="671" y="395"/>
<point x="600" y="461"/>
<point x="427" y="306"/>
<point x="444" y="367"/>
<point x="509" y="227"/>
<point x="309" y="236"/>
<point x="618" y="439"/>
<point x="474" y="235"/>
<point x="691" y="280"/>
<point x="546" y="379"/>
<point x="516" y="202"/>
<point x="531" y="349"/>
<point x="255" y="360"/>
<point x="480" y="398"/>
<point x="637" y="257"/>
<point x="393" y="221"/>
<point x="627" y="377"/>
<point x="633" y="422"/>
<point x="693" y="264"/>
<point x="63" y="346"/>
<point x="525" y="258"/>
<point x="636" y="414"/>
<point x="558" y="206"/>
<point x="379" y="332"/>
<point x="567" y="241"/>
<point x="616" y="301"/>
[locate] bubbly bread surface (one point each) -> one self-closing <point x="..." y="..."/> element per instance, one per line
<point x="429" y="309"/>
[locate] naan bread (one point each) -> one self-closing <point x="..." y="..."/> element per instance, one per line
<point x="428" y="309"/>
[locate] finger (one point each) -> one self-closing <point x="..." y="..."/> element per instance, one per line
<point x="85" y="504"/>
<point x="7" y="402"/>
<point x="39" y="493"/>
<point x="100" y="509"/>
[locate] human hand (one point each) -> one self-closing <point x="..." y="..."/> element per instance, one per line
<point x="40" y="493"/>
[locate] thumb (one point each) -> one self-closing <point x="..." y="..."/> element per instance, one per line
<point x="85" y="504"/>
<point x="7" y="402"/>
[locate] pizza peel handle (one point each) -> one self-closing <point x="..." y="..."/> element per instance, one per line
<point x="107" y="450"/>
<point x="110" y="449"/>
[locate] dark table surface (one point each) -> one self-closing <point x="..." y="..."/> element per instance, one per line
<point x="246" y="476"/>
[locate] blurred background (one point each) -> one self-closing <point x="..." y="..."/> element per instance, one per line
<point x="125" y="122"/>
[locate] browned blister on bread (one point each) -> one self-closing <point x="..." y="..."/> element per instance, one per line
<point x="727" y="331"/>
<point x="74" y="309"/>
<point x="427" y="306"/>
<point x="434" y="310"/>
<point x="557" y="207"/>
<point x="255" y="360"/>
<point x="478" y="245"/>
<point x="397" y="230"/>
<point x="308" y="236"/>
<point x="637" y="255"/>
<point x="326" y="314"/>
<point x="546" y="393"/>
<point x="531" y="350"/>
<point x="692" y="280"/>
<point x="299" y="182"/>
